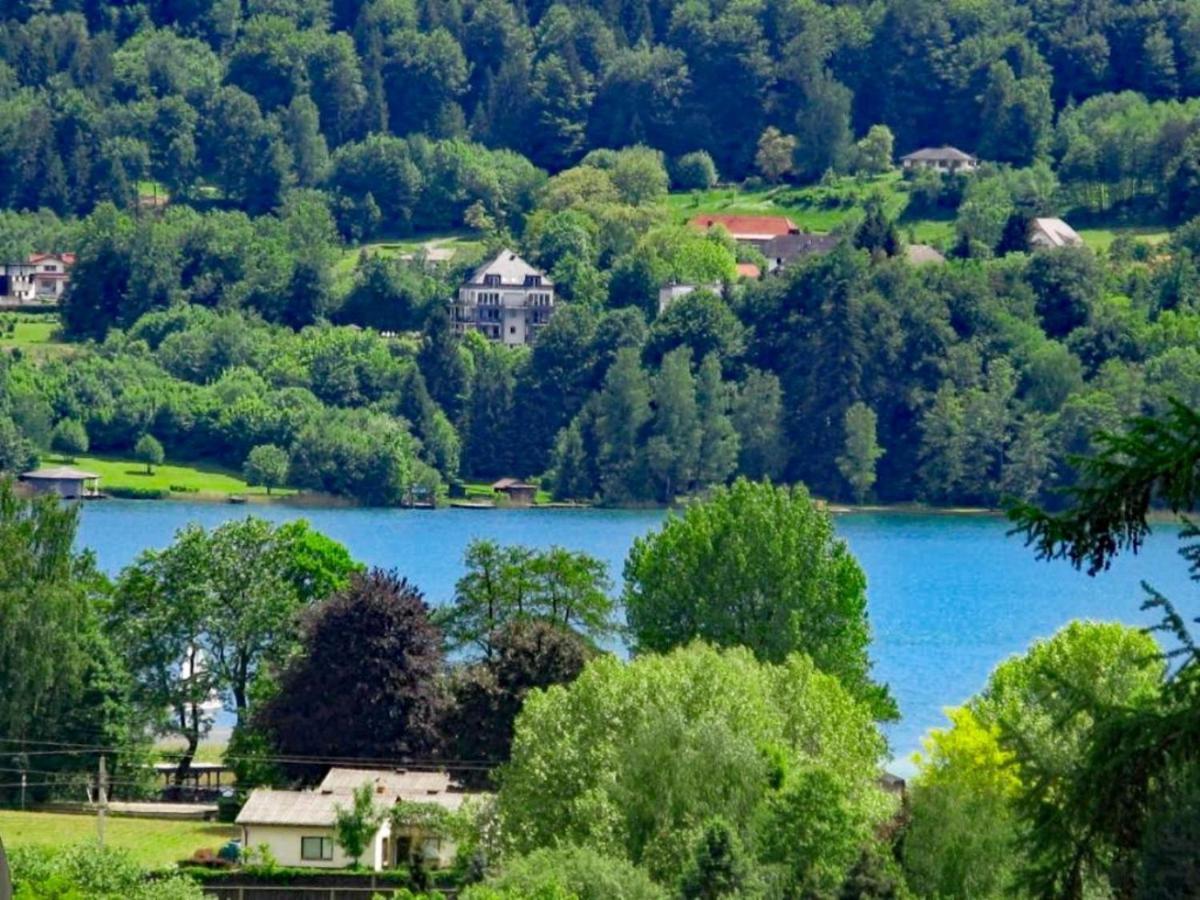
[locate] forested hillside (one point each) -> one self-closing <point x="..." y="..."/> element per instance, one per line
<point x="239" y="180"/>
<point x="247" y="97"/>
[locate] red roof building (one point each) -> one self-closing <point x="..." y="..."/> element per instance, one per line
<point x="750" y="229"/>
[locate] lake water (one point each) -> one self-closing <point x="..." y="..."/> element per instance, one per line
<point x="950" y="596"/>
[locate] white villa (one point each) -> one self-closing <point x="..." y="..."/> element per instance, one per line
<point x="42" y="278"/>
<point x="506" y="300"/>
<point x="298" y="826"/>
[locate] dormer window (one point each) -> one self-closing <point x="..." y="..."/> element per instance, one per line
<point x="491" y="280"/>
<point x="533" y="281"/>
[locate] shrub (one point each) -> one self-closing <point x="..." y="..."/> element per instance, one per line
<point x="138" y="493"/>
<point x="694" y="171"/>
<point x="69" y="438"/>
<point x="577" y="872"/>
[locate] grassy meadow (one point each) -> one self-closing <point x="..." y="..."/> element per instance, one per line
<point x="201" y="480"/>
<point x="155" y="843"/>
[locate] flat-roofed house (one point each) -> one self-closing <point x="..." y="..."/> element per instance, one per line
<point x="940" y="159"/>
<point x="506" y="300"/>
<point x="1052" y="233"/>
<point x="754" y="231"/>
<point x="298" y="826"/>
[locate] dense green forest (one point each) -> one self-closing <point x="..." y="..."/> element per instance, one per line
<point x="218" y="166"/>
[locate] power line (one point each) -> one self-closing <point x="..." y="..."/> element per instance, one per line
<point x="73" y="749"/>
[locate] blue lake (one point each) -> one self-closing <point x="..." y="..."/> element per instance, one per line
<point x="950" y="596"/>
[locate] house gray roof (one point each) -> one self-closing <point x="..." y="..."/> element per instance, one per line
<point x="513" y="271"/>
<point x="318" y="808"/>
<point x="920" y="254"/>
<point x="790" y="246"/>
<point x="397" y="784"/>
<point x="935" y="154"/>
<point x="313" y="808"/>
<point x="58" y="473"/>
<point x="1054" y="233"/>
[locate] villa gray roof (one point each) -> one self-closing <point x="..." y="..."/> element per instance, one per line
<point x="513" y="271"/>
<point x="934" y="154"/>
<point x="58" y="473"/>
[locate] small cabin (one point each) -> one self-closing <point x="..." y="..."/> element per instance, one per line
<point x="518" y="493"/>
<point x="64" y="481"/>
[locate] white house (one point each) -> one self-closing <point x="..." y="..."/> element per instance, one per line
<point x="506" y="300"/>
<point x="1051" y="233"/>
<point x="669" y="293"/>
<point x="42" y="278"/>
<point x="52" y="271"/>
<point x="940" y="159"/>
<point x="298" y="826"/>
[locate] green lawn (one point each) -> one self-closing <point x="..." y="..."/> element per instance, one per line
<point x="459" y="242"/>
<point x="1100" y="239"/>
<point x="482" y="490"/>
<point x="154" y="843"/>
<point x="199" y="479"/>
<point x="818" y="207"/>
<point x="32" y="333"/>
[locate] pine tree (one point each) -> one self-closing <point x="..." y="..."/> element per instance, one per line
<point x="623" y="410"/>
<point x="719" y="443"/>
<point x="758" y="420"/>
<point x="441" y="361"/>
<point x="673" y="451"/>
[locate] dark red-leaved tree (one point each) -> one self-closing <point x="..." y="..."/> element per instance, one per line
<point x="367" y="682"/>
<point x="526" y="654"/>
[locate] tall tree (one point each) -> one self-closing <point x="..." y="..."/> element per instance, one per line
<point x="364" y="683"/>
<point x="757" y="566"/>
<point x="857" y="462"/>
<point x="488" y="695"/>
<point x="719" y="442"/>
<point x="673" y="448"/>
<point x="202" y="618"/>
<point x="622" y="411"/>
<point x="504" y="584"/>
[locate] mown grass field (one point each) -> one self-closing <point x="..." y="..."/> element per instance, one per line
<point x="155" y="843"/>
<point x="819" y="207"/>
<point x="198" y="479"/>
<point x="455" y="244"/>
<point x="32" y="333"/>
<point x="1100" y="239"/>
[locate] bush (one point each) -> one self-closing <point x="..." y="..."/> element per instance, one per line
<point x="88" y="870"/>
<point x="577" y="872"/>
<point x="138" y="493"/>
<point x="694" y="172"/>
<point x="69" y="438"/>
<point x="182" y="489"/>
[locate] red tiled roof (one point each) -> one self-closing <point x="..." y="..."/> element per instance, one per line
<point x="759" y="226"/>
<point x="68" y="258"/>
<point x="748" y="270"/>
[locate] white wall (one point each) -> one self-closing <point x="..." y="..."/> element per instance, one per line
<point x="284" y="841"/>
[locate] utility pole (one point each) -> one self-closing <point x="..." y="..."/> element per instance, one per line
<point x="102" y="797"/>
<point x="24" y="779"/>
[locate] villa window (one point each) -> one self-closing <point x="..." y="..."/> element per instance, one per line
<point x="316" y="848"/>
<point x="491" y="280"/>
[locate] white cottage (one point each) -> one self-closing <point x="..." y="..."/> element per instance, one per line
<point x="298" y="826"/>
